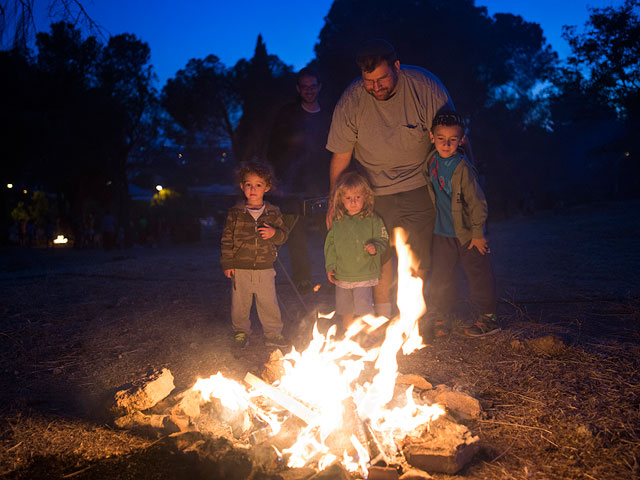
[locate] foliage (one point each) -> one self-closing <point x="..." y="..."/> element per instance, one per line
<point x="17" y="25"/>
<point x="216" y="106"/>
<point x="609" y="49"/>
<point x="77" y="109"/>
<point x="201" y="100"/>
<point x="473" y="54"/>
<point x="263" y="84"/>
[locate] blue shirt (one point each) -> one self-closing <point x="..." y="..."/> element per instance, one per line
<point x="440" y="171"/>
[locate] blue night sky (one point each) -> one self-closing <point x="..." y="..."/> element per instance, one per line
<point x="178" y="31"/>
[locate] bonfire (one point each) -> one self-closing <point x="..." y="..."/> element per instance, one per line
<point x="343" y="393"/>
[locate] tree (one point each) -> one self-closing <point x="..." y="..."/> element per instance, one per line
<point x="202" y="101"/>
<point x="83" y="109"/>
<point x="124" y="80"/>
<point x="609" y="50"/>
<point x="17" y="25"/>
<point x="215" y="106"/>
<point x="263" y="83"/>
<point x="479" y="58"/>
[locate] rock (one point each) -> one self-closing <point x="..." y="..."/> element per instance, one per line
<point x="415" y="474"/>
<point x="303" y="473"/>
<point x="177" y="423"/>
<point x="144" y="393"/>
<point x="383" y="473"/>
<point x="547" y="346"/>
<point x="335" y="471"/>
<point x="188" y="404"/>
<point x="445" y="448"/>
<point x="274" y="368"/>
<point x="137" y="419"/>
<point x="416" y="380"/>
<point x="460" y="405"/>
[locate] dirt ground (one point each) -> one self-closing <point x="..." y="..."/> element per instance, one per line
<point x="75" y="325"/>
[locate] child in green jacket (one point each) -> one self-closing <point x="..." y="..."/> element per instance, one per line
<point x="353" y="247"/>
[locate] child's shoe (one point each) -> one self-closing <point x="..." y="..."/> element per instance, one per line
<point x="278" y="341"/>
<point x="241" y="340"/>
<point x="487" y="324"/>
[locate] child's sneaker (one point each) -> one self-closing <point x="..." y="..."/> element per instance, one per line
<point x="487" y="324"/>
<point x="278" y="341"/>
<point x="241" y="340"/>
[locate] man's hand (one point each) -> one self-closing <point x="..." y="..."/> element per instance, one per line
<point x="230" y="273"/>
<point x="371" y="248"/>
<point x="481" y="244"/>
<point x="330" y="213"/>
<point x="266" y="231"/>
<point x="331" y="276"/>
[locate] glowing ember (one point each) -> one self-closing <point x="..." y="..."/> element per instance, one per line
<point x="345" y="393"/>
<point x="60" y="240"/>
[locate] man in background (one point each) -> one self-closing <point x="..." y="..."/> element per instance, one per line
<point x="298" y="155"/>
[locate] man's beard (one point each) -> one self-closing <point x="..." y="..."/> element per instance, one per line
<point x="385" y="93"/>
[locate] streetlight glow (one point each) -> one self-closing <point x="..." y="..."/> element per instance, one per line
<point x="9" y="185"/>
<point x="158" y="187"/>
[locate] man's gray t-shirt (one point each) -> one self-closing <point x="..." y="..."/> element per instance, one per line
<point x="390" y="138"/>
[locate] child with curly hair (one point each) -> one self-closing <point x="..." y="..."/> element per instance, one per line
<point x="252" y="231"/>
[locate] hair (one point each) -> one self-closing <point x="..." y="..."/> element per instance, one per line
<point x="307" y="72"/>
<point x="448" y="118"/>
<point x="348" y="181"/>
<point x="258" y="168"/>
<point x="374" y="52"/>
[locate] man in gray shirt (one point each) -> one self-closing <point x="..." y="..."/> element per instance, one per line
<point x="383" y="119"/>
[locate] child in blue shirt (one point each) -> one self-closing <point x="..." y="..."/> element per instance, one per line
<point x="459" y="230"/>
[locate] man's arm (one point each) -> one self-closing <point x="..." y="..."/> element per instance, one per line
<point x="339" y="163"/>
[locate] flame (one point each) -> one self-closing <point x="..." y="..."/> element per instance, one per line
<point x="337" y="384"/>
<point x="60" y="239"/>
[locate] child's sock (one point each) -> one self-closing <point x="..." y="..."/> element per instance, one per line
<point x="383" y="309"/>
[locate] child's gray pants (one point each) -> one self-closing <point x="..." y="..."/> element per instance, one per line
<point x="262" y="284"/>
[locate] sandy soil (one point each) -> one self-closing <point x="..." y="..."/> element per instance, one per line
<point x="75" y="325"/>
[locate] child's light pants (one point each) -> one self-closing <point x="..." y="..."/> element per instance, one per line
<point x="262" y="284"/>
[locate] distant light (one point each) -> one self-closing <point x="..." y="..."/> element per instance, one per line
<point x="179" y="155"/>
<point x="9" y="185"/>
<point x="224" y="154"/>
<point x="627" y="154"/>
<point x="158" y="187"/>
<point x="109" y="182"/>
<point x="60" y="239"/>
<point x="25" y="191"/>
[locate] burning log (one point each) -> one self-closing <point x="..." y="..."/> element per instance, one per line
<point x="281" y="398"/>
